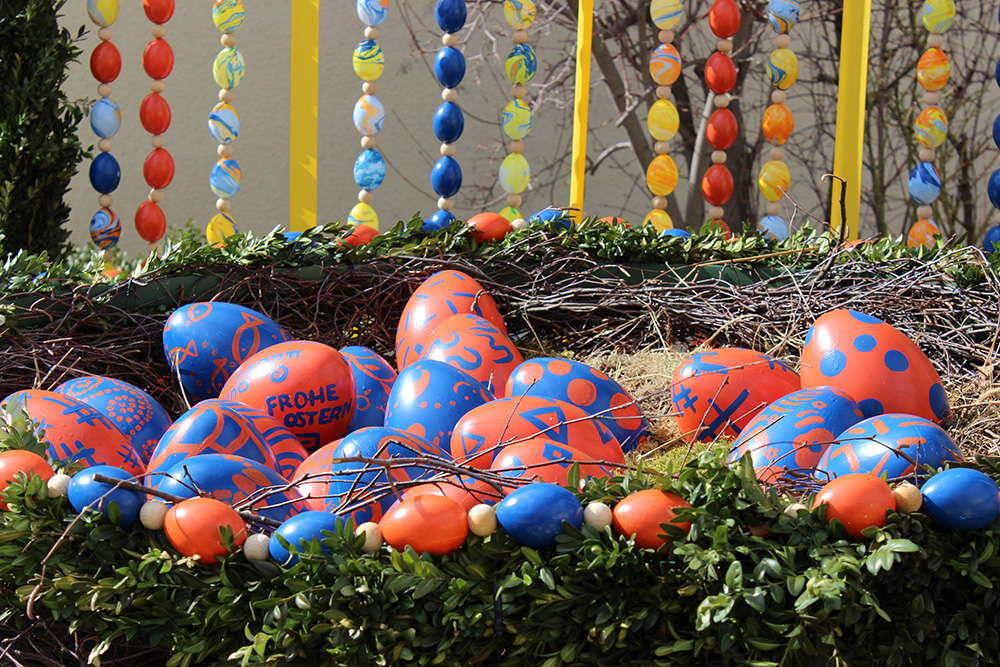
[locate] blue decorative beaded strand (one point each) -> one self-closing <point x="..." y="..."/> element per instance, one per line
<point x="991" y="240"/>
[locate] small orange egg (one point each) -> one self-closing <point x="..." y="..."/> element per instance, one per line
<point x="640" y="514"/>
<point x="192" y="526"/>
<point x="858" y="500"/>
<point x="429" y="523"/>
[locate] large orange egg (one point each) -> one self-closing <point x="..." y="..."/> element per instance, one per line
<point x="858" y="500"/>
<point x="488" y="227"/>
<point x="192" y="526"/>
<point x="428" y="523"/>
<point x="640" y="515"/>
<point x="716" y="393"/>
<point x="307" y="386"/>
<point x="548" y="461"/>
<point x="882" y="369"/>
<point x="14" y="461"/>
<point x="444" y="294"/>
<point x="473" y="344"/>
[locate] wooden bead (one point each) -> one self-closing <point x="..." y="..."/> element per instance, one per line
<point x="373" y="536"/>
<point x="662" y="92"/>
<point x="225" y="150"/>
<point x="721" y="101"/>
<point x="223" y="205"/>
<point x="927" y="154"/>
<point x="773" y="208"/>
<point x="660" y="202"/>
<point x="514" y="200"/>
<point x="718" y="157"/>
<point x="155" y="196"/>
<point x="445" y="203"/>
<point x="365" y="196"/>
<point x="661" y="147"/>
<point x="369" y="87"/>
<point x="371" y="32"/>
<point x="159" y="31"/>
<point x="665" y="36"/>
<point x="782" y="41"/>
<point x="482" y="520"/>
<point x="447" y="150"/>
<point x="368" y="142"/>
<point x="715" y="212"/>
<point x="724" y="45"/>
<point x="104" y="90"/>
<point x="157" y="141"/>
<point x="226" y="95"/>
<point x="228" y="40"/>
<point x="908" y="498"/>
<point x="104" y="34"/>
<point x="925" y="212"/>
<point x="777" y="152"/>
<point x="105" y="201"/>
<point x="449" y="94"/>
<point x="517" y="146"/>
<point x="931" y="98"/>
<point x="157" y="85"/>
<point x="449" y="39"/>
<point x="794" y="509"/>
<point x="519" y="37"/>
<point x="518" y="91"/>
<point x="935" y="40"/>
<point x="104" y="145"/>
<point x="778" y="96"/>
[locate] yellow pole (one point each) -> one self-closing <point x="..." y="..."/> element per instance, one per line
<point x="578" y="167"/>
<point x="851" y="113"/>
<point x="304" y="115"/>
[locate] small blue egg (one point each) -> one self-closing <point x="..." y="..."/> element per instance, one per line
<point x="551" y="214"/>
<point x="446" y="177"/>
<point x="676" y="232"/>
<point x="991" y="240"/>
<point x="105" y="174"/>
<point x="300" y="531"/>
<point x="449" y="67"/>
<point x="449" y="122"/>
<point x="439" y="220"/>
<point x="993" y="188"/>
<point x="773" y="227"/>
<point x="105" y="118"/>
<point x="84" y="492"/>
<point x="450" y="15"/>
<point x="369" y="169"/>
<point x="924" y="183"/>
<point x="533" y="514"/>
<point x="961" y="499"/>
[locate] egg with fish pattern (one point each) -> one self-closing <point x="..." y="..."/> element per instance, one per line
<point x="373" y="380"/>
<point x="477" y="347"/>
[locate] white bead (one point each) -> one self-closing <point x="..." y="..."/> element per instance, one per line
<point x="368" y="142"/>
<point x="935" y="40"/>
<point x="223" y="205"/>
<point x="927" y="154"/>
<point x="514" y="200"/>
<point x="224" y="150"/>
<point x="661" y="147"/>
<point x="517" y="146"/>
<point x="373" y="536"/>
<point x="659" y="202"/>
<point x="226" y="95"/>
<point x="104" y="90"/>
<point x="778" y="96"/>
<point x="447" y="150"/>
<point x="104" y="201"/>
<point x="159" y="31"/>
<point x="665" y="36"/>
<point x="157" y="86"/>
<point x="228" y="40"/>
<point x="365" y="196"/>
<point x="449" y="39"/>
<point x="724" y="45"/>
<point x="518" y="223"/>
<point x="931" y="98"/>
<point x="104" y="145"/>
<point x="719" y="157"/>
<point x="445" y="203"/>
<point x="482" y="520"/>
<point x="371" y="32"/>
<point x="151" y="514"/>
<point x="663" y="92"/>
<point x="777" y="152"/>
<point x="155" y="196"/>
<point x="58" y="484"/>
<point x="104" y="34"/>
<point x="783" y="41"/>
<point x="257" y="547"/>
<point x="157" y="141"/>
<point x="449" y="94"/>
<point x="518" y="91"/>
<point x="773" y="208"/>
<point x="908" y="498"/>
<point x="369" y="87"/>
<point x="925" y="212"/>
<point x="793" y="509"/>
<point x="597" y="515"/>
<point x="715" y="212"/>
<point x="721" y="101"/>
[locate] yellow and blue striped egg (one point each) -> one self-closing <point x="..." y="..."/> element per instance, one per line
<point x="774" y="180"/>
<point x="228" y="68"/>
<point x="226" y="178"/>
<point x="368" y="60"/>
<point x="105" y="118"/>
<point x="662" y="175"/>
<point x="933" y="69"/>
<point x="362" y="214"/>
<point x="105" y="228"/>
<point x="923" y="234"/>
<point x="515" y="172"/>
<point x="931" y="127"/>
<point x="372" y="12"/>
<point x="521" y="64"/>
<point x="665" y="65"/>
<point x="102" y="12"/>
<point x="224" y="123"/>
<point x="783" y="14"/>
<point x="938" y="15"/>
<point x="663" y="120"/>
<point x="659" y="219"/>
<point x="783" y="68"/>
<point x="369" y="115"/>
<point x="511" y="213"/>
<point x="515" y="119"/>
<point x="666" y="13"/>
<point x="227" y="15"/>
<point x="519" y="14"/>
<point x="219" y="228"/>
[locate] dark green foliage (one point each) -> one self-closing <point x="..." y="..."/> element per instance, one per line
<point x="39" y="149"/>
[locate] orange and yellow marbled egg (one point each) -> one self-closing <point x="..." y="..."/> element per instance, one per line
<point x="933" y="69"/>
<point x="662" y="175"/>
<point x="777" y="124"/>
<point x="923" y="233"/>
<point x="663" y="120"/>
<point x="774" y="180"/>
<point x="659" y="219"/>
<point x="931" y="127"/>
<point x="665" y="65"/>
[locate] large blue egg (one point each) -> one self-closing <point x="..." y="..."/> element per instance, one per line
<point x="449" y="122"/>
<point x="287" y="449"/>
<point x="961" y="499"/>
<point x="429" y="397"/>
<point x="587" y="388"/>
<point x="85" y="492"/>
<point x="206" y="342"/>
<point x="300" y="531"/>
<point x="369" y="169"/>
<point x="991" y="239"/>
<point x="450" y="15"/>
<point x="996" y="131"/>
<point x="105" y="118"/>
<point x="140" y="418"/>
<point x="449" y="67"/>
<point x="559" y="216"/>
<point x="373" y="379"/>
<point x="996" y="73"/>
<point x="105" y="174"/>
<point x="924" y="183"/>
<point x="438" y="220"/>
<point x="993" y="188"/>
<point x="887" y="445"/>
<point x="446" y="177"/>
<point x="533" y="514"/>
<point x="233" y="479"/>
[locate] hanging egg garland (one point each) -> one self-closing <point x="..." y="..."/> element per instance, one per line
<point x="991" y="240"/>
<point x="228" y="69"/>
<point x="368" y="62"/>
<point x="520" y="66"/>
<point x="720" y="76"/>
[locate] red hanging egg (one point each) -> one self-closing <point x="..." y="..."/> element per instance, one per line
<point x="488" y="227"/>
<point x="105" y="62"/>
<point x="158" y="59"/>
<point x="158" y="11"/>
<point x="858" y="500"/>
<point x="717" y="185"/>
<point x="158" y="168"/>
<point x="429" y="523"/>
<point x="722" y="129"/>
<point x="720" y="73"/>
<point x="724" y="18"/>
<point x="192" y="526"/>
<point x="154" y="113"/>
<point x="150" y="222"/>
<point x="639" y="515"/>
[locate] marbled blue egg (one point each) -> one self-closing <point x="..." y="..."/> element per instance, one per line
<point x="373" y="380"/>
<point x="372" y="12"/>
<point x="226" y="178"/>
<point x="559" y="216"/>
<point x="105" y="174"/>
<point x="449" y="67"/>
<point x="924" y="184"/>
<point x="991" y="239"/>
<point x="533" y="514"/>
<point x="961" y="499"/>
<point x="783" y="14"/>
<point x="449" y="122"/>
<point x="105" y="228"/>
<point x="993" y="188"/>
<point x="521" y="64"/>
<point x="675" y="232"/>
<point x="300" y="531"/>
<point x="438" y="220"/>
<point x="105" y="118"/>
<point x="369" y="115"/>
<point x="369" y="169"/>
<point x="450" y="14"/>
<point x="446" y="177"/>
<point x="773" y="227"/>
<point x="224" y="123"/>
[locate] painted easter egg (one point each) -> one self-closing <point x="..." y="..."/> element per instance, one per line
<point x="519" y="14"/>
<point x="774" y="180"/>
<point x="663" y="120"/>
<point x="511" y="214"/>
<point x="373" y="380"/>
<point x="552" y="215"/>
<point x="21" y="461"/>
<point x="484" y="430"/>
<point x="665" y="64"/>
<point x="521" y="64"/>
<point x="449" y="67"/>
<point x="368" y="60"/>
<point x="938" y="15"/>
<point x="440" y="219"/>
<point x="448" y="123"/>
<point x="205" y="342"/>
<point x="235" y="480"/>
<point x="158" y="59"/>
<point x="75" y="431"/>
<point x="547" y="461"/>
<point x="140" y="418"/>
<point x="773" y="228"/>
<point x="361" y="234"/>
<point x="795" y="431"/>
<point x="158" y="168"/>
<point x="640" y="516"/>
<point x="724" y="18"/>
<point x="287" y="450"/>
<point x="718" y="392"/>
<point x="662" y="175"/>
<point x="666" y="14"/>
<point x="533" y="514"/>
<point x="783" y="68"/>
<point x="961" y="499"/>
<point x="105" y="118"/>
<point x="717" y="185"/>
<point x="428" y="523"/>
<point x="720" y="72"/>
<point x="228" y="68"/>
<point x="150" y="221"/>
<point x="154" y="113"/>
<point x="722" y="129"/>
<point x="659" y="220"/>
<point x="859" y="501"/>
<point x="305" y="385"/>
<point x="428" y="399"/>
<point x="105" y="228"/>
<point x="991" y="239"/>
<point x="488" y="227"/>
<point x="515" y="173"/>
<point x="931" y="127"/>
<point x="158" y="11"/>
<point x="369" y="169"/>
<point x="440" y="296"/>
<point x="372" y="12"/>
<point x="227" y="15"/>
<point x="192" y="526"/>
<point x="783" y="14"/>
<point x="369" y="115"/>
<point x="226" y="178"/>
<point x="587" y="388"/>
<point x="105" y="62"/>
<point x="923" y="234"/>
<point x="118" y="504"/>
<point x="102" y="12"/>
<point x="220" y="228"/>
<point x="466" y="491"/>
<point x="933" y="69"/>
<point x="515" y="119"/>
<point x="924" y="184"/>
<point x="888" y="445"/>
<point x="299" y="532"/>
<point x="224" y="123"/>
<point x="883" y="370"/>
<point x="105" y="174"/>
<point x="362" y="214"/>
<point x="450" y="14"/>
<point x="446" y="176"/>
<point x="777" y="124"/>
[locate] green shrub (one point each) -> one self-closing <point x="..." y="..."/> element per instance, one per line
<point x="39" y="149"/>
